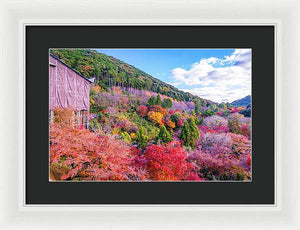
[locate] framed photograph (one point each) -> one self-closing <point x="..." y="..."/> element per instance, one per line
<point x="133" y="112"/>
<point x="151" y="119"/>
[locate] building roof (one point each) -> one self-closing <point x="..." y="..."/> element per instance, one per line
<point x="56" y="58"/>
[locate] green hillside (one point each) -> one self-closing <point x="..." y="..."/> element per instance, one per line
<point x="109" y="71"/>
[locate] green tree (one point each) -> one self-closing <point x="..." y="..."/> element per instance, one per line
<point x="226" y="112"/>
<point x="189" y="133"/>
<point x="164" y="136"/>
<point x="167" y="103"/>
<point x="175" y="117"/>
<point x="197" y="121"/>
<point x="151" y="101"/>
<point x="193" y="113"/>
<point x="228" y="105"/>
<point x="213" y="107"/>
<point x="158" y="100"/>
<point x="201" y="121"/>
<point x="197" y="107"/>
<point x="208" y="113"/>
<point x="223" y="105"/>
<point x="185" y="134"/>
<point x="126" y="137"/>
<point x="141" y="138"/>
<point x="194" y="129"/>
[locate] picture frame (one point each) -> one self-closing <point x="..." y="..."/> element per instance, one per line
<point x="282" y="216"/>
<point x="39" y="191"/>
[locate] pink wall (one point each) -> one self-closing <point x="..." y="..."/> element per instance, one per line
<point x="67" y="89"/>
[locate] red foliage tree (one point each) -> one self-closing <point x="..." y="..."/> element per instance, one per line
<point x="158" y="109"/>
<point x="142" y="110"/>
<point x="167" y="162"/>
<point x="84" y="155"/>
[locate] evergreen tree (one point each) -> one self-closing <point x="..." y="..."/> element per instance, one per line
<point x="185" y="134"/>
<point x="167" y="103"/>
<point x="138" y="102"/>
<point x="223" y="105"/>
<point x="208" y="113"/>
<point x="193" y="113"/>
<point x="198" y="107"/>
<point x="164" y="135"/>
<point x="201" y="121"/>
<point x="197" y="121"/>
<point x="213" y="107"/>
<point x="141" y="138"/>
<point x="151" y="101"/>
<point x="194" y="129"/>
<point x="158" y="100"/>
<point x="189" y="133"/>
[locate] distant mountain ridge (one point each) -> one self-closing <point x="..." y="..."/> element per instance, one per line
<point x="109" y="71"/>
<point x="245" y="101"/>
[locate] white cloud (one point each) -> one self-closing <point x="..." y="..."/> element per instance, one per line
<point x="216" y="79"/>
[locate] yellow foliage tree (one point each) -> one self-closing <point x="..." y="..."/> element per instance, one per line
<point x="155" y="117"/>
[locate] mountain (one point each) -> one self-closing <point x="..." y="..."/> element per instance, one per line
<point x="109" y="71"/>
<point x="242" y="102"/>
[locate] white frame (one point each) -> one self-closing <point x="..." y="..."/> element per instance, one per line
<point x="15" y="14"/>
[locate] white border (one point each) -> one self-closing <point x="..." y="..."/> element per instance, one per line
<point x="283" y="13"/>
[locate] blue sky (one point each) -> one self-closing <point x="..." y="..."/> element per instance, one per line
<point x="216" y="74"/>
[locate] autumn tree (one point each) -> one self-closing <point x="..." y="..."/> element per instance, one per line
<point x="142" y="110"/>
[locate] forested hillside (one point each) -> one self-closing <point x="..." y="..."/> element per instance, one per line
<point x="109" y="71"/>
